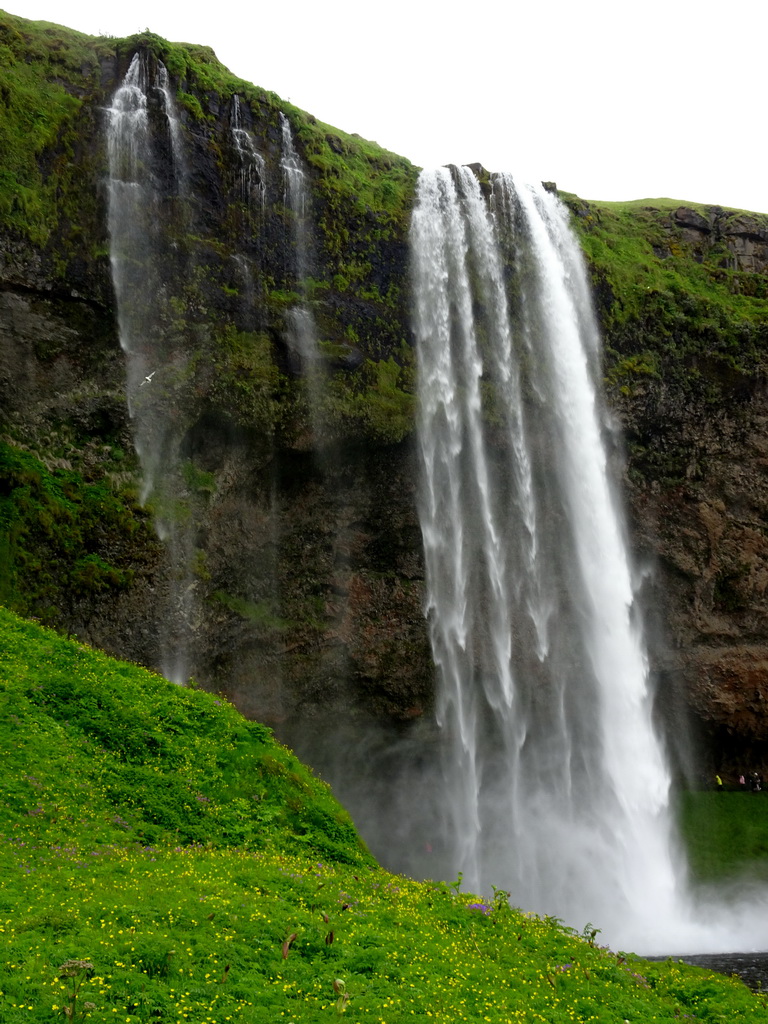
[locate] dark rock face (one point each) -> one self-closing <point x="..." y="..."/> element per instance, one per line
<point x="328" y="558"/>
<point x="706" y="540"/>
<point x="62" y="390"/>
<point x="745" y="237"/>
<point x="692" y="220"/>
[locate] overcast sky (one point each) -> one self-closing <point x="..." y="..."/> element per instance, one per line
<point x="610" y="100"/>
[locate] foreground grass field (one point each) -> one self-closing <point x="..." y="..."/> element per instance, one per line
<point x="163" y="860"/>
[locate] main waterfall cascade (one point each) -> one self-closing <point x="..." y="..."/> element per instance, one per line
<point x="555" y="783"/>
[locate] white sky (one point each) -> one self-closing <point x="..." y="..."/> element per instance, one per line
<point x="610" y="100"/>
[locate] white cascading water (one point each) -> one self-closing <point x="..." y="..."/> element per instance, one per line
<point x="300" y="321"/>
<point x="295" y="191"/>
<point x="251" y="171"/>
<point x="132" y="226"/>
<point x="556" y="786"/>
<point x="135" y="226"/>
<point x="146" y="168"/>
<point x="250" y="187"/>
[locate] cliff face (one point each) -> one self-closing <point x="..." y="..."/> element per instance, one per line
<point x="682" y="296"/>
<point x="289" y="575"/>
<point x="290" y="571"/>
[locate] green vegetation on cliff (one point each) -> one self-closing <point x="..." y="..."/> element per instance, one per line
<point x="52" y="199"/>
<point x="64" y="541"/>
<point x="682" y="294"/>
<point x="163" y="859"/>
<point x="681" y="299"/>
<point x="54" y="87"/>
<point x="670" y="273"/>
<point x="76" y="546"/>
<point x="666" y="246"/>
<point x="38" y="119"/>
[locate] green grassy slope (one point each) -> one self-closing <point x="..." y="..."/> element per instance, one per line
<point x="161" y="859"/>
<point x="130" y="757"/>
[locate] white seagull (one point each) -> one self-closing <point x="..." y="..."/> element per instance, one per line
<point x="148" y="378"/>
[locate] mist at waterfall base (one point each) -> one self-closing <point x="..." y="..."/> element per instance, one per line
<point x="545" y="776"/>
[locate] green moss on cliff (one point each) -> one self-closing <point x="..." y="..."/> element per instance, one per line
<point x="64" y="542"/>
<point x="262" y="614"/>
<point x="45" y="71"/>
<point x="361" y="197"/>
<point x="650" y="265"/>
<point x="246" y="382"/>
<point x="365" y="193"/>
<point x="683" y="312"/>
<point x="378" y="403"/>
<point x="53" y="85"/>
<point x="681" y="294"/>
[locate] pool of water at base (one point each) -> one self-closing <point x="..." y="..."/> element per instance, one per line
<point x="752" y="968"/>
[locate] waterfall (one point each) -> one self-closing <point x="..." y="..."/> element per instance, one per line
<point x="147" y="178"/>
<point x="555" y="783"/>
<point x="301" y="329"/>
<point x="250" y="191"/>
<point x="295" y="195"/>
<point x="251" y="169"/>
<point x="140" y="162"/>
<point x="163" y="86"/>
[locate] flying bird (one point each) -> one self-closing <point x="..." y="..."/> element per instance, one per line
<point x="148" y="378"/>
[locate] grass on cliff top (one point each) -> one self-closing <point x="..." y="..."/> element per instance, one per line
<point x="678" y="310"/>
<point x="363" y="193"/>
<point x="163" y="859"/>
<point x="37" y="117"/>
<point x="368" y="175"/>
<point x="47" y="72"/>
<point x="641" y="252"/>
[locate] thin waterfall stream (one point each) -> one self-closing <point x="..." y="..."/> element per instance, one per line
<point x="147" y="183"/>
<point x="251" y="171"/>
<point x="555" y="785"/>
<point x="302" y="330"/>
<point x="146" y="170"/>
